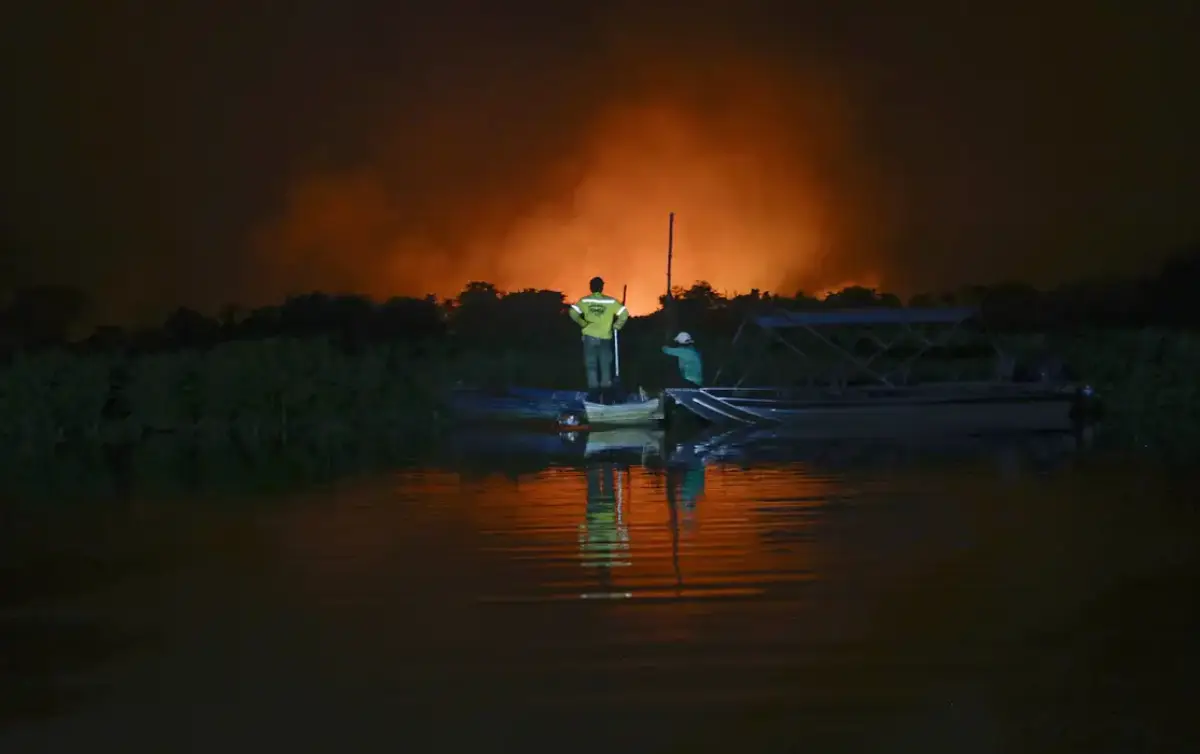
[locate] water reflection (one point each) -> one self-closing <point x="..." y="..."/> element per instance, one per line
<point x="759" y="596"/>
<point x="685" y="486"/>
<point x="77" y="556"/>
<point x="604" y="534"/>
<point x="38" y="653"/>
<point x="605" y="539"/>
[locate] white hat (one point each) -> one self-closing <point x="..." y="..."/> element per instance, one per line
<point x="683" y="337"/>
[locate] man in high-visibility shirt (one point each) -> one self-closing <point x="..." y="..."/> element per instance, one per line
<point x="599" y="316"/>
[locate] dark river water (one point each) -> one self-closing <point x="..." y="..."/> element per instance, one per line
<point x="1021" y="596"/>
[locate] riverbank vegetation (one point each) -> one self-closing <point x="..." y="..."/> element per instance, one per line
<point x="335" y="367"/>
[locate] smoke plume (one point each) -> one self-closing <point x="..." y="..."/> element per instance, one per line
<point x="545" y="188"/>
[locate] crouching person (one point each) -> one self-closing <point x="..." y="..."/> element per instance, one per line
<point x="689" y="371"/>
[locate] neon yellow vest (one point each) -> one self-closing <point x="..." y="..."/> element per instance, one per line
<point x="599" y="314"/>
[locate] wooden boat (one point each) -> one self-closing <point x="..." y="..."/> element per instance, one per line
<point x="638" y="413"/>
<point x="634" y="413"/>
<point x="889" y="404"/>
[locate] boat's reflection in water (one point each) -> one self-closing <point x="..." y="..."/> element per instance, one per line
<point x="672" y="468"/>
<point x="738" y="592"/>
<point x="754" y="446"/>
<point x="604" y="535"/>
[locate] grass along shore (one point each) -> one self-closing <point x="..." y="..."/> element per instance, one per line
<point x="278" y="391"/>
<point x="250" y="392"/>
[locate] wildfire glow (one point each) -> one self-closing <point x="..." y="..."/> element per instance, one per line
<point x="868" y="280"/>
<point x="749" y="179"/>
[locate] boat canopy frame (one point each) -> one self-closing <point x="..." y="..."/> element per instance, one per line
<point x="909" y="324"/>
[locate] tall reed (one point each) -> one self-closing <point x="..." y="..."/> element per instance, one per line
<point x="282" y="390"/>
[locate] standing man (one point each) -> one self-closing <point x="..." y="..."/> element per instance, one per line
<point x="599" y="316"/>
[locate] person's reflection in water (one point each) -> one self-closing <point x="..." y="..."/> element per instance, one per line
<point x="604" y="534"/>
<point x="685" y="487"/>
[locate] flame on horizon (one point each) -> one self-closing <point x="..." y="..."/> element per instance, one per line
<point x="747" y="178"/>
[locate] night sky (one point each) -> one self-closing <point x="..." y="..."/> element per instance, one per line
<point x="206" y="152"/>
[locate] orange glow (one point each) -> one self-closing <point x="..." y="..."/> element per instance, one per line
<point x="532" y="538"/>
<point x="754" y="168"/>
<point x="868" y="280"/>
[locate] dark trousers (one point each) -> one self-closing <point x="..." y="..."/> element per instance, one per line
<point x="598" y="360"/>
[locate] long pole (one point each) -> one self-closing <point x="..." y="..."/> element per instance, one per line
<point x="668" y="310"/>
<point x="617" y="340"/>
<point x="670" y="250"/>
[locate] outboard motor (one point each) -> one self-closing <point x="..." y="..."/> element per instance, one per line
<point x="570" y="425"/>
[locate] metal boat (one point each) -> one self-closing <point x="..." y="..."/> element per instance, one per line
<point x="867" y="412"/>
<point x="862" y="398"/>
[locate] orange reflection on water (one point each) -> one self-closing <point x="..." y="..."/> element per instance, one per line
<point x="607" y="531"/>
<point x="622" y="518"/>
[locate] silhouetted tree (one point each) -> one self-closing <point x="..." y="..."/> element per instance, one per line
<point x="857" y="296"/>
<point x="306" y="315"/>
<point x="106" y="338"/>
<point x="43" y="315"/>
<point x="534" y="316"/>
<point x="188" y="328"/>
<point x="476" y="315"/>
<point x="410" y="319"/>
<point x="482" y="317"/>
<point x="1013" y="306"/>
<point x="1177" y="286"/>
<point x="263" y="322"/>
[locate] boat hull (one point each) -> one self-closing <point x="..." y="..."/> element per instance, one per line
<point x="891" y="413"/>
<point x="634" y="414"/>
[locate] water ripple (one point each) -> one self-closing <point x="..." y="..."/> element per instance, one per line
<point x="703" y="607"/>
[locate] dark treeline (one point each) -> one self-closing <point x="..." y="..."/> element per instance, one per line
<point x="332" y="368"/>
<point x="482" y="317"/>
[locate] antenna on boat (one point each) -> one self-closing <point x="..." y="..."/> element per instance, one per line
<point x="670" y="250"/>
<point x="670" y="258"/>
